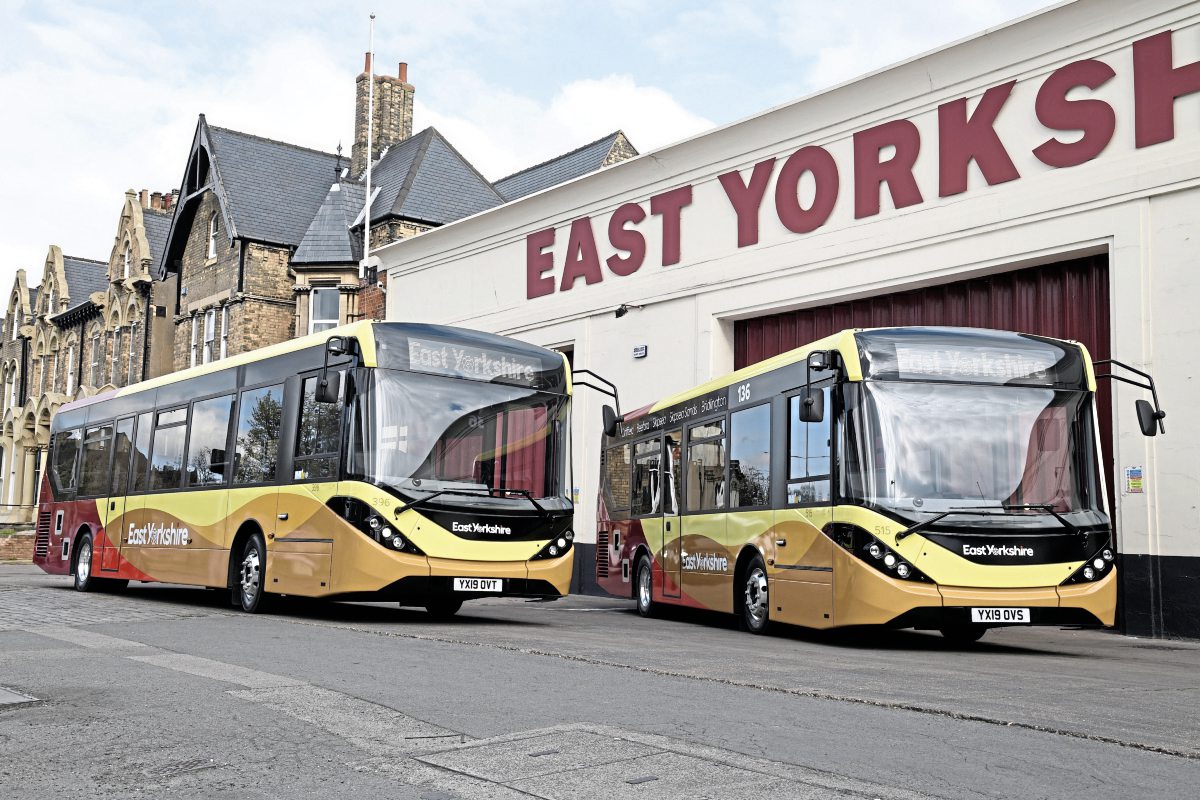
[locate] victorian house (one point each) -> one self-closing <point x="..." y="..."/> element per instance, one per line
<point x="267" y="239"/>
<point x="90" y="326"/>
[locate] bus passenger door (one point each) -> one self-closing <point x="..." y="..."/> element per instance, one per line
<point x="802" y="576"/>
<point x="113" y="511"/>
<point x="670" y="486"/>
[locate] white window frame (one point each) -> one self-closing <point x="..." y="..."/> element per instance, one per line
<point x="116" y="355"/>
<point x="210" y="334"/>
<point x="70" y="368"/>
<point x="313" y="322"/>
<point x="213" y="231"/>
<point x="133" y="326"/>
<point x="224" y="331"/>
<point x="195" y="323"/>
<point x="94" y="373"/>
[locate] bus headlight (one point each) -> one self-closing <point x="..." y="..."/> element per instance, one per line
<point x="1094" y="567"/>
<point x="1107" y="554"/>
<point x="556" y="547"/>
<point x="1089" y="573"/>
<point x="1099" y="564"/>
<point x="872" y="551"/>
<point x="371" y="524"/>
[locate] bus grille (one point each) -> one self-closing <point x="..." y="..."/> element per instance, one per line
<point x="602" y="554"/>
<point x="41" y="543"/>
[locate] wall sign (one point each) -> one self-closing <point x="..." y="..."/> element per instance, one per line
<point x="639" y="351"/>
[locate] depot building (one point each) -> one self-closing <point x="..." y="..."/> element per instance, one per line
<point x="1041" y="177"/>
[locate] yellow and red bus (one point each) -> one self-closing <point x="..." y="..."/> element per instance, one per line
<point x="417" y="463"/>
<point x="931" y="478"/>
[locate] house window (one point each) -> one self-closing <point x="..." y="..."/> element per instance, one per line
<point x="71" y="368"/>
<point x="214" y="230"/>
<point x="323" y="308"/>
<point x="126" y="265"/>
<point x="116" y="356"/>
<point x="224" y="331"/>
<point x="95" y="373"/>
<point x="210" y="333"/>
<point x="194" y="324"/>
<point x="50" y="300"/>
<point x="42" y="380"/>
<point x="132" y="349"/>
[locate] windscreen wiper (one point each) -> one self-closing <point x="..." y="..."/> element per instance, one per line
<point x="542" y="511"/>
<point x="1049" y="509"/>
<point x="987" y="511"/>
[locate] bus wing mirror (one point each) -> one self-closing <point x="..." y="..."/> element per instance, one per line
<point x="812" y="405"/>
<point x="1147" y="417"/>
<point x="329" y="387"/>
<point x="610" y="421"/>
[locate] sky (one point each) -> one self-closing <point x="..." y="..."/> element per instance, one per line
<point x="101" y="97"/>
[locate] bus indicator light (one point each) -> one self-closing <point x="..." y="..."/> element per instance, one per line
<point x="1107" y="555"/>
<point x="889" y="560"/>
<point x="1098" y="564"/>
<point x="903" y="570"/>
<point x="1089" y="573"/>
<point x="875" y="550"/>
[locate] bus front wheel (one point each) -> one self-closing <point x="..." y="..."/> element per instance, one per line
<point x="252" y="572"/>
<point x="754" y="600"/>
<point x="643" y="589"/>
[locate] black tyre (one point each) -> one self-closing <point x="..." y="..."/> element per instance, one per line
<point x="251" y="575"/>
<point x="643" y="588"/>
<point x="443" y="607"/>
<point x="84" y="581"/>
<point x="964" y="634"/>
<point x="752" y="599"/>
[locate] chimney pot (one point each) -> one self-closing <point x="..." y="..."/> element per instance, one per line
<point x="366" y="62"/>
<point x="403" y="72"/>
<point x="156" y="201"/>
<point x="144" y="198"/>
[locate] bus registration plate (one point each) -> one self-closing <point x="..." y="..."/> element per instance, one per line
<point x="478" y="584"/>
<point x="1009" y="616"/>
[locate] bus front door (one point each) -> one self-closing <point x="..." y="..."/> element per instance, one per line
<point x="671" y="476"/>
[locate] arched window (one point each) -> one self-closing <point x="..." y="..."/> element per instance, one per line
<point x="50" y="308"/>
<point x="127" y="256"/>
<point x="71" y="368"/>
<point x="214" y="230"/>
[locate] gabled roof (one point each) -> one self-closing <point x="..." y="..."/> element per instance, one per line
<point x="329" y="239"/>
<point x="425" y="179"/>
<point x="273" y="189"/>
<point x="84" y="276"/>
<point x="157" y="225"/>
<point x="560" y="169"/>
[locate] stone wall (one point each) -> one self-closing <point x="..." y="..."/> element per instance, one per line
<point x="18" y="547"/>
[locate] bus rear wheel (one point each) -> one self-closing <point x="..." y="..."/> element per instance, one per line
<point x="643" y="588"/>
<point x="252" y="572"/>
<point x="754" y="600"/>
<point x="84" y="582"/>
<point x="443" y="607"/>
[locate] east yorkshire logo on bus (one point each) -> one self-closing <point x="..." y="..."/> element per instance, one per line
<point x="1087" y="125"/>
<point x="167" y="535"/>
<point x="1011" y="550"/>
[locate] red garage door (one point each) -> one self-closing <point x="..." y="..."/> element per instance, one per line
<point x="1068" y="300"/>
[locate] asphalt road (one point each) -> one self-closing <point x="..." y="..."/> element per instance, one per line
<point x="168" y="691"/>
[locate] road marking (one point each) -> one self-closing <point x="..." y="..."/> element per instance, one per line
<point x="217" y="670"/>
<point x="84" y="638"/>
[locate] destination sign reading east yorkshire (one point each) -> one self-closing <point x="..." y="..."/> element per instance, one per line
<point x="429" y="355"/>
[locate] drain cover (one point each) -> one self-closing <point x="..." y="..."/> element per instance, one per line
<point x="10" y="698"/>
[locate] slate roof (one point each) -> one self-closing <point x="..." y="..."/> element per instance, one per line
<point x="273" y="188"/>
<point x="157" y="225"/>
<point x="84" y="276"/>
<point x="425" y="179"/>
<point x="329" y="239"/>
<point x="560" y="169"/>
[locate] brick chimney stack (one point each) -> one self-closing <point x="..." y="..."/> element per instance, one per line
<point x="393" y="115"/>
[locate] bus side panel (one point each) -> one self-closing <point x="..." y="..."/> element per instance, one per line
<point x="616" y="543"/>
<point x="708" y="552"/>
<point x="57" y="557"/>
<point x="802" y="576"/>
<point x="181" y="537"/>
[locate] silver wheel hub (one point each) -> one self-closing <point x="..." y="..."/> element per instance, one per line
<point x="251" y="575"/>
<point x="644" y="587"/>
<point x="756" y="596"/>
<point x="84" y="568"/>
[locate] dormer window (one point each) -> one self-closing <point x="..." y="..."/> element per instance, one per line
<point x="214" y="230"/>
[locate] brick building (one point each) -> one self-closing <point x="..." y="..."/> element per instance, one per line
<point x="266" y="242"/>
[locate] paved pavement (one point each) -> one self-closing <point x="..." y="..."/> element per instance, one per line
<point x="168" y="691"/>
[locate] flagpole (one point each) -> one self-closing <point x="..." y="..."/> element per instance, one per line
<point x="362" y="267"/>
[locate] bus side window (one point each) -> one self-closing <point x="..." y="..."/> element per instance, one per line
<point x="808" y="456"/>
<point x="257" y="451"/>
<point x="207" y="460"/>
<point x="122" y="448"/>
<point x="750" y="457"/>
<point x="319" y="436"/>
<point x="93" y="479"/>
<point x="66" y="458"/>
<point x="706" y="466"/>
<point x="647" y="460"/>
<point x="166" y="457"/>
<point x="141" y="451"/>
<point x="617" y="476"/>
